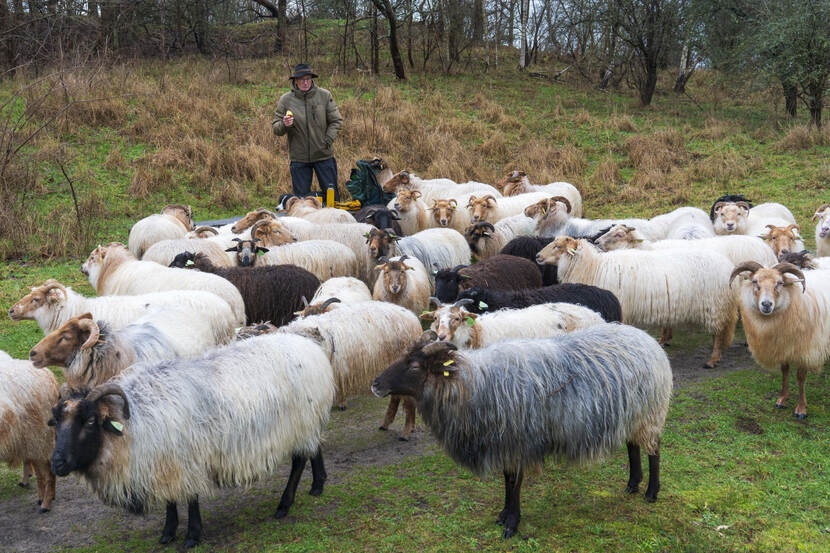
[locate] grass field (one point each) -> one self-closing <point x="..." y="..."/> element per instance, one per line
<point x="738" y="475"/>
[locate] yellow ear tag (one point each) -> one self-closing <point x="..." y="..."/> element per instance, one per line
<point x="117" y="425"/>
<point x="448" y="363"/>
<point x="544" y="212"/>
<point x="446" y="373"/>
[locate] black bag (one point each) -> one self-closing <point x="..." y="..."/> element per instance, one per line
<point x="363" y="183"/>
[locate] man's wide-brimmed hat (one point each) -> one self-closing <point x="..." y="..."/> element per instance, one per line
<point x="302" y="70"/>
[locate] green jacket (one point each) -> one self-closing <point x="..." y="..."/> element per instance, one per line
<point x="316" y="122"/>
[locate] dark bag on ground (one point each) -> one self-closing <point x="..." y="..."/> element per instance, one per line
<point x="363" y="183"/>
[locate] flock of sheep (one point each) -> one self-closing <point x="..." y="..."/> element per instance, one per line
<point x="211" y="355"/>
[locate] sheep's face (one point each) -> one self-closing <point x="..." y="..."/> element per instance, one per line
<point x="448" y="283"/>
<point x="618" y="237"/>
<point x="548" y="212"/>
<point x="554" y="252"/>
<point x="80" y="426"/>
<point x="250" y="218"/>
<point x="443" y="211"/>
<point x="823" y="226"/>
<point x="406" y="199"/>
<point x="247" y="251"/>
<point x="512" y="183"/>
<point x="481" y="209"/>
<point x="255" y="330"/>
<point x="398" y="181"/>
<point x="782" y="239"/>
<point x="94" y="263"/>
<point x="383" y="217"/>
<point x="477" y="300"/>
<point x="59" y="346"/>
<point x="425" y="359"/>
<point x="379" y="242"/>
<point x="477" y="232"/>
<point x="50" y="293"/>
<point x="451" y="321"/>
<point x="271" y="233"/>
<point x="770" y="291"/>
<point x="730" y="218"/>
<point x="394" y="276"/>
<point x="182" y="213"/>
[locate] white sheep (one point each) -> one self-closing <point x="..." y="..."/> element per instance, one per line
<point x="403" y="281"/>
<point x="164" y="251"/>
<point x="335" y="292"/>
<point x="352" y="235"/>
<point x="738" y="218"/>
<point x="661" y="288"/>
<point x="823" y="230"/>
<point x="467" y="330"/>
<point x="445" y="213"/>
<point x="783" y="240"/>
<point x="51" y="304"/>
<point x="411" y="209"/>
<point x="112" y="270"/>
<point x="517" y="182"/>
<point x="684" y="223"/>
<point x="786" y="321"/>
<point x="486" y="239"/>
<point x="553" y="218"/>
<point x="173" y="431"/>
<point x="323" y="258"/>
<point x="312" y="210"/>
<point x="27" y="395"/>
<point x="436" y="248"/>
<point x="175" y="221"/>
<point x="434" y="188"/>
<point x="491" y="209"/>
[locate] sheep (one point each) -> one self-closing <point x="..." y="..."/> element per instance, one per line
<point x="785" y="325"/>
<point x="739" y="218"/>
<point x="26" y="396"/>
<point x="467" y="330"/>
<point x="577" y="396"/>
<point x="380" y="216"/>
<point x="553" y="219"/>
<point x="335" y="292"/>
<point x="322" y="258"/>
<point x="683" y="223"/>
<point x="500" y="272"/>
<point x="140" y="448"/>
<point x="271" y="293"/>
<point x="174" y="221"/>
<point x="201" y="232"/>
<point x="112" y="270"/>
<point x="351" y="235"/>
<point x="662" y="288"/>
<point x="516" y="182"/>
<point x="822" y="230"/>
<point x="251" y="218"/>
<point x="433" y="188"/>
<point x="528" y="247"/>
<point x="403" y="281"/>
<point x="435" y="248"/>
<point x="804" y="260"/>
<point x="311" y="209"/>
<point x="91" y="352"/>
<point x="784" y="240"/>
<point x="737" y="248"/>
<point x="486" y="239"/>
<point x="727" y="199"/>
<point x="444" y="213"/>
<point x="411" y="209"/>
<point x="51" y="304"/>
<point x="597" y="299"/>
<point x="164" y="251"/>
<point x="491" y="209"/>
<point x="360" y="340"/>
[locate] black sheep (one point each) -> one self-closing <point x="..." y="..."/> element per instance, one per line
<point x="600" y="300"/>
<point x="380" y="216"/>
<point x="271" y="293"/>
<point x="503" y="272"/>
<point x="528" y="247"/>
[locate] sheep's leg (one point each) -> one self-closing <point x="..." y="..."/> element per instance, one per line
<point x="511" y="514"/>
<point x="27" y="474"/>
<point x="318" y="472"/>
<point x="665" y="336"/>
<point x="801" y="407"/>
<point x="287" y="499"/>
<point x="171" y="522"/>
<point x="409" y="425"/>
<point x="635" y="468"/>
<point x="45" y="484"/>
<point x="722" y="341"/>
<point x="194" y="524"/>
<point x="785" y="387"/>
<point x="653" y="476"/>
<point x="391" y="411"/>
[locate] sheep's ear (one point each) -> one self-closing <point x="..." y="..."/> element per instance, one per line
<point x="427" y="316"/>
<point x="113" y="426"/>
<point x="231" y="250"/>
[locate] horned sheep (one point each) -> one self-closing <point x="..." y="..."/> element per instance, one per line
<point x="311" y="209"/>
<point x="517" y="182"/>
<point x="576" y="396"/>
<point x="822" y="214"/>
<point x="486" y="239"/>
<point x="434" y="188"/>
<point x="174" y="221"/>
<point x="783" y="240"/>
<point x="738" y="217"/>
<point x="528" y="247"/>
<point x="112" y="270"/>
<point x="662" y="288"/>
<point x="500" y="272"/>
<point x="491" y="209"/>
<point x="403" y="281"/>
<point x="137" y="451"/>
<point x="380" y="216"/>
<point x="435" y="247"/>
<point x="411" y="209"/>
<point x="786" y="321"/>
<point x="164" y="251"/>
<point x="335" y="292"/>
<point x="26" y="396"/>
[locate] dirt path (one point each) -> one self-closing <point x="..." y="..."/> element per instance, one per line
<point x="352" y="440"/>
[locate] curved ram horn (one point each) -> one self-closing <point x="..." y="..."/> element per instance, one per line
<point x="463" y="301"/>
<point x="784" y="268"/>
<point x="819" y="211"/>
<point x="328" y="302"/>
<point x="94" y="332"/>
<point x="205" y="229"/>
<point x="107" y="389"/>
<point x="743" y="205"/>
<point x="564" y="200"/>
<point x="434" y="301"/>
<point x="743" y="267"/>
<point x="437" y="348"/>
<point x="305" y="301"/>
<point x="53" y="284"/>
<point x="65" y="391"/>
<point x="453" y="202"/>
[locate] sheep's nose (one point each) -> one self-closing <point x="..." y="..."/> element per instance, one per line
<point x="398" y="207"/>
<point x="539" y="260"/>
<point x="730" y="226"/>
<point x="785" y="250"/>
<point x="766" y="306"/>
<point x="442" y="337"/>
<point x="475" y="217"/>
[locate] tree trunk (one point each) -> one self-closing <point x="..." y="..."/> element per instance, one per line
<point x="649" y="84"/>
<point x="282" y="23"/>
<point x="478" y="21"/>
<point x="373" y="40"/>
<point x="524" y="8"/>
<point x="385" y="7"/>
<point x="815" y="100"/>
<point x="790" y="97"/>
<point x="409" y="34"/>
<point x="687" y="69"/>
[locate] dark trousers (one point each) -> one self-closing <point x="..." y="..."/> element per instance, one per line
<point x="301" y="175"/>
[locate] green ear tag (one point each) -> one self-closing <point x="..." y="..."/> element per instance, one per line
<point x="117" y="425"/>
<point x="188" y="263"/>
<point x="470" y="321"/>
<point x="482" y="305"/>
<point x="571" y="251"/>
<point x="260" y="252"/>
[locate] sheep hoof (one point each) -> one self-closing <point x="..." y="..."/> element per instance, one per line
<point x="282" y="512"/>
<point x="316" y="491"/>
<point x="800" y="416"/>
<point x="45" y="510"/>
<point x="24" y="485"/>
<point x="166" y="538"/>
<point x="403" y="438"/>
<point x="779" y="405"/>
<point x="708" y="366"/>
<point x="509" y="531"/>
<point x="190" y="543"/>
<point x="632" y="488"/>
<point x="382" y="428"/>
<point x="341" y="407"/>
<point x="651" y="498"/>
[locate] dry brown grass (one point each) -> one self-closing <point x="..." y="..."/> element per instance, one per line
<point x="803" y="137"/>
<point x="606" y="175"/>
<point x="724" y="167"/>
<point x="656" y="152"/>
<point x="149" y="180"/>
<point x="715" y="129"/>
<point x="622" y="123"/>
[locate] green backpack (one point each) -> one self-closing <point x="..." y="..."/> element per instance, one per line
<point x="363" y="183"/>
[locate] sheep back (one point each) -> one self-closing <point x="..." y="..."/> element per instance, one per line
<point x="527" y="247"/>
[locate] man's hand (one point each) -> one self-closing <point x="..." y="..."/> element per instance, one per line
<point x="288" y="120"/>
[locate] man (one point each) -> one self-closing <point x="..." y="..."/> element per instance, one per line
<point x="310" y="118"/>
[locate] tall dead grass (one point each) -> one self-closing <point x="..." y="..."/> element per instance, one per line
<point x="803" y="137"/>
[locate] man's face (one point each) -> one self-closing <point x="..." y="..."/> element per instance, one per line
<point x="304" y="83"/>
